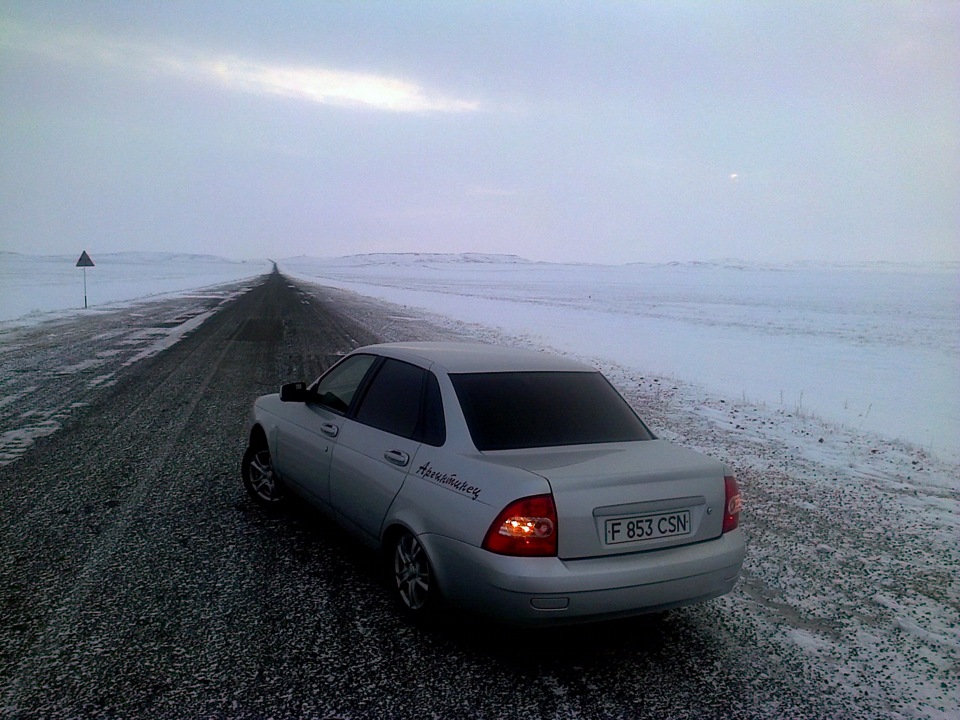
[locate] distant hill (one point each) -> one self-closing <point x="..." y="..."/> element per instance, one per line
<point x="414" y="259"/>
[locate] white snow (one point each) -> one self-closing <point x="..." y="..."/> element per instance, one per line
<point x="13" y="443"/>
<point x="36" y="288"/>
<point x="875" y="347"/>
<point x="167" y="337"/>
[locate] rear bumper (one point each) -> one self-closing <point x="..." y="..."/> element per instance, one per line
<point x="543" y="591"/>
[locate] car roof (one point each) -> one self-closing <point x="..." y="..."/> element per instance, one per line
<point x="466" y="357"/>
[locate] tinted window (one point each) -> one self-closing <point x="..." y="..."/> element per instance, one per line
<point x="506" y="411"/>
<point x="392" y="402"/>
<point x="434" y="425"/>
<point x="337" y="388"/>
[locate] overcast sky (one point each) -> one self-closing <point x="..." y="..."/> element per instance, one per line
<point x="602" y="131"/>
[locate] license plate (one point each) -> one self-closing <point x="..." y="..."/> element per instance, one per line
<point x="635" y="528"/>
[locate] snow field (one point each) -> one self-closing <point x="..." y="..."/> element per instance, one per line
<point x="37" y="288"/>
<point x="873" y="348"/>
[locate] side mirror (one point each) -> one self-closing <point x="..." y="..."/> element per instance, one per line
<point x="293" y="392"/>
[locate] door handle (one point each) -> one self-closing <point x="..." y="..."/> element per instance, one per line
<point x="329" y="429"/>
<point x="397" y="457"/>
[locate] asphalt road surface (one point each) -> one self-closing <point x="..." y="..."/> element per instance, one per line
<point x="137" y="579"/>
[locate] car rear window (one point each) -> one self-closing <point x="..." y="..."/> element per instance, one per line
<point x="513" y="410"/>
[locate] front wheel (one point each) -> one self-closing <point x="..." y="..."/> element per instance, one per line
<point x="413" y="579"/>
<point x="259" y="477"/>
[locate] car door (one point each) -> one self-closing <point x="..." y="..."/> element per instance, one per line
<point x="309" y="431"/>
<point x="376" y="447"/>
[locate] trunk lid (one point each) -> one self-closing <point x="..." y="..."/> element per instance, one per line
<point x="627" y="497"/>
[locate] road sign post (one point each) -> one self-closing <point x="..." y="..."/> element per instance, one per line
<point x="84" y="262"/>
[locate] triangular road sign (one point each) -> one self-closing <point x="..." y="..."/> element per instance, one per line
<point x="84" y="260"/>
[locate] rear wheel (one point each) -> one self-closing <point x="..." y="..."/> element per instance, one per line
<point x="259" y="477"/>
<point x="413" y="580"/>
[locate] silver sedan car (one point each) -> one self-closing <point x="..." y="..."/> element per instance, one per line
<point x="510" y="483"/>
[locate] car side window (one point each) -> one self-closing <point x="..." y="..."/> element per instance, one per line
<point x="337" y="388"/>
<point x="392" y="402"/>
<point x="434" y="426"/>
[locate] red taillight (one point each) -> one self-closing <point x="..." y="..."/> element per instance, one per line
<point x="732" y="504"/>
<point x="526" y="527"/>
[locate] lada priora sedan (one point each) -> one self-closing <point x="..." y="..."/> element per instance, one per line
<point x="512" y="483"/>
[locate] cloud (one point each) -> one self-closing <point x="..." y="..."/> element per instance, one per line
<point x="330" y="87"/>
<point x="324" y="86"/>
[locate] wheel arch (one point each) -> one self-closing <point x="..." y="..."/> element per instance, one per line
<point x="390" y="538"/>
<point x="391" y="531"/>
<point x="397" y="525"/>
<point x="258" y="436"/>
<point x="264" y="436"/>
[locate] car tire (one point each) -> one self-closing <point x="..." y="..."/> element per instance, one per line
<point x="412" y="578"/>
<point x="259" y="477"/>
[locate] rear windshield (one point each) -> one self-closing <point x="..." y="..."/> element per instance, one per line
<point x="512" y="410"/>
